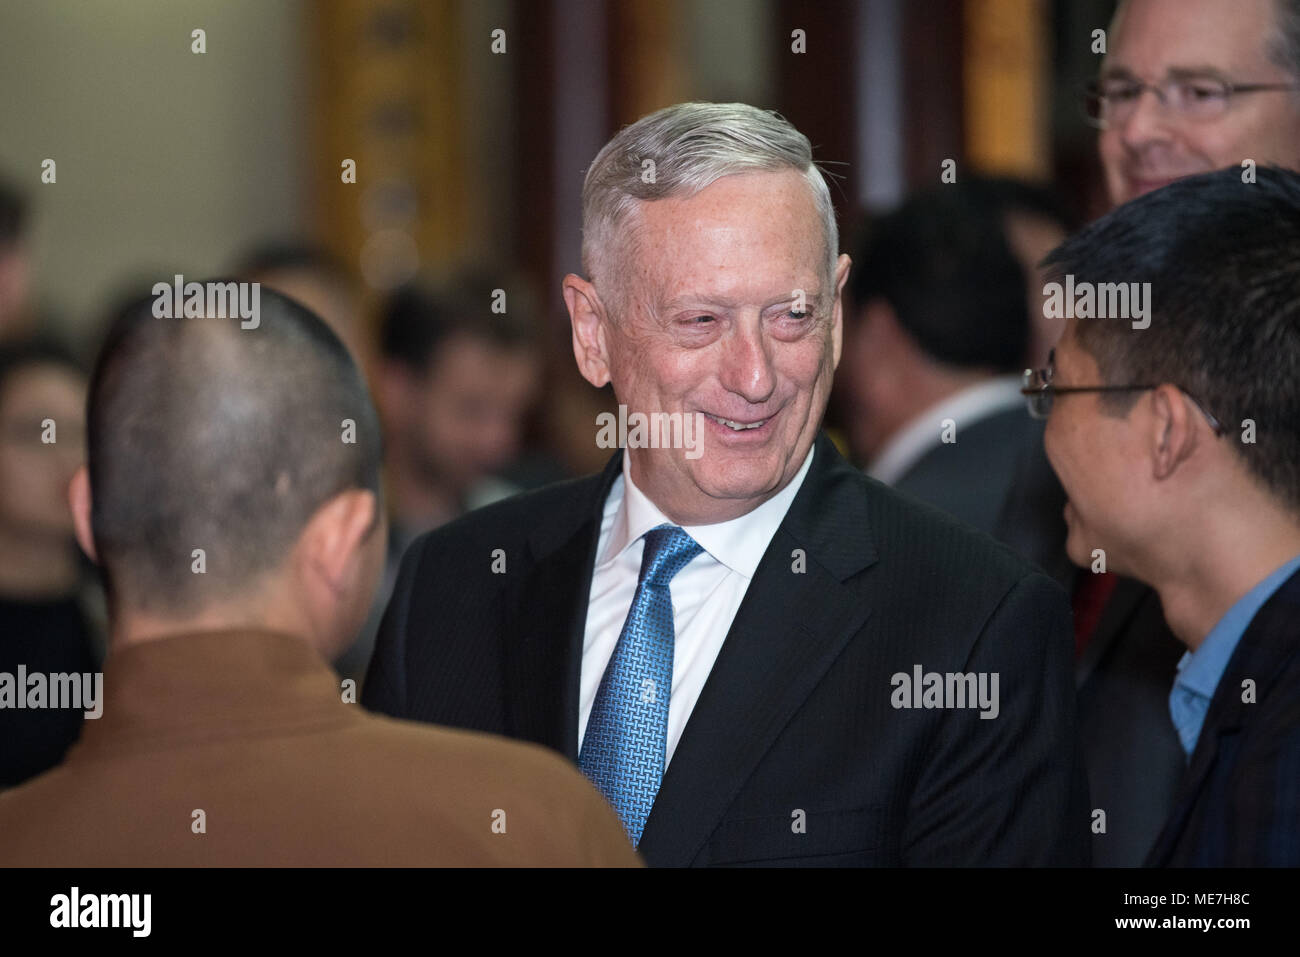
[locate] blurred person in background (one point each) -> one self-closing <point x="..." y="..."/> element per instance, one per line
<point x="314" y="277"/>
<point x="46" y="609"/>
<point x="1035" y="221"/>
<point x="455" y="383"/>
<point x="935" y="347"/>
<point x="1189" y="86"/>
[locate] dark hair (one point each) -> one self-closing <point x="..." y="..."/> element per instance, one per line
<point x="24" y="353"/>
<point x="13" y="214"/>
<point x="943" y="264"/>
<point x="1011" y="196"/>
<point x="1223" y="260"/>
<point x="418" y="320"/>
<point x="202" y="434"/>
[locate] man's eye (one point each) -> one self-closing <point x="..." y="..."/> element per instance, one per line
<point x="1203" y="91"/>
<point x="796" y="314"/>
<point x="1121" y="93"/>
<point x="699" y="320"/>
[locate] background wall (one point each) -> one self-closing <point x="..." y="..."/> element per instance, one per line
<point x="165" y="159"/>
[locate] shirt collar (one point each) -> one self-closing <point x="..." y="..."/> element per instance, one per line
<point x="738" y="544"/>
<point x="1199" y="671"/>
<point x="924" y="432"/>
<point x="213" y="683"/>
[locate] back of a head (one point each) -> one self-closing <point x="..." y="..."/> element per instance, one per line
<point x="1017" y="197"/>
<point x="205" y="435"/>
<point x="1223" y="261"/>
<point x="943" y="264"/>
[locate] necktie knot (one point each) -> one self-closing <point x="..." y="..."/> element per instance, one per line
<point x="668" y="549"/>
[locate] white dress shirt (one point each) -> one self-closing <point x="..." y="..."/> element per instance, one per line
<point x="925" y="432"/>
<point x="706" y="593"/>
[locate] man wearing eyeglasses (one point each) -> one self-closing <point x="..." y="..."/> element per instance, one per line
<point x="1187" y="86"/>
<point x="1190" y="86"/>
<point x="1179" y="448"/>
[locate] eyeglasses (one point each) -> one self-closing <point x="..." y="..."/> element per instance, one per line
<point x="1196" y="97"/>
<point x="1039" y="392"/>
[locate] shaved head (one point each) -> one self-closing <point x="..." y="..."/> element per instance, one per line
<point x="204" y="435"/>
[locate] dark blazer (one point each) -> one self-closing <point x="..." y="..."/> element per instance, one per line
<point x="1239" y="803"/>
<point x="796" y="714"/>
<point x="996" y="477"/>
<point x="1130" y="746"/>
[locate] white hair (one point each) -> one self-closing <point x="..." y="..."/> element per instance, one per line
<point x="676" y="152"/>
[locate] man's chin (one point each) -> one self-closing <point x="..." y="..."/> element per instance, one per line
<point x="740" y="481"/>
<point x="1137" y="186"/>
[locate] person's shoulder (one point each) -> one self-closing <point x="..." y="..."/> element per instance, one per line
<point x="908" y="531"/>
<point x="490" y="760"/>
<point x="500" y="786"/>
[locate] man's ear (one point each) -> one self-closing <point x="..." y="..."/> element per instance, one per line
<point x="837" y="314"/>
<point x="1173" y="430"/>
<point x="79" y="501"/>
<point x="331" y="542"/>
<point x="587" y="317"/>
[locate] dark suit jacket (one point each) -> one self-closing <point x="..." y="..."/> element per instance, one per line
<point x="1239" y="803"/>
<point x="1130" y="746"/>
<point x="795" y="715"/>
<point x="251" y="729"/>
<point x="996" y="477"/>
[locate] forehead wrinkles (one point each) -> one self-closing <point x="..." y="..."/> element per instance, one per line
<point x="719" y="259"/>
<point x="1186" y="40"/>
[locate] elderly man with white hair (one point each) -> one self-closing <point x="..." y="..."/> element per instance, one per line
<point x="756" y="653"/>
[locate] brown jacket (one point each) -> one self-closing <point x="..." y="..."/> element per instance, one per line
<point x="251" y="730"/>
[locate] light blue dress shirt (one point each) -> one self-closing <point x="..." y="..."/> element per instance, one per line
<point x="1199" y="671"/>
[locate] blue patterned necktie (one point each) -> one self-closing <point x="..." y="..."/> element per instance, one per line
<point x="624" y="749"/>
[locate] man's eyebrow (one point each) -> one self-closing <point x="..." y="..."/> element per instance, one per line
<point x="693" y="300"/>
<point x="1113" y="72"/>
<point x="1173" y="73"/>
<point x="1193" y="72"/>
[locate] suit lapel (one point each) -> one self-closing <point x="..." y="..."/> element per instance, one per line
<point x="542" y="641"/>
<point x="1260" y="655"/>
<point x="789" y="629"/>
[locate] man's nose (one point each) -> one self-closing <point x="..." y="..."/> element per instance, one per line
<point x="1149" y="122"/>
<point x="747" y="364"/>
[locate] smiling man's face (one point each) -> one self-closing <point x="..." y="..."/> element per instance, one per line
<point x="714" y="324"/>
<point x="1151" y="40"/>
